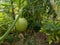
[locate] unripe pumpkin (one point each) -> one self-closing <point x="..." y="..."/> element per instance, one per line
<point x="21" y="24"/>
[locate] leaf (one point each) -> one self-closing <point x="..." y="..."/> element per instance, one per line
<point x="5" y="3"/>
<point x="1" y="19"/>
<point x="16" y="1"/>
<point x="57" y="38"/>
<point x="50" y="41"/>
<point x="21" y="3"/>
<point x="1" y="14"/>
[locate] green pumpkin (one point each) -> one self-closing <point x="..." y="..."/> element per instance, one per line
<point x="21" y="24"/>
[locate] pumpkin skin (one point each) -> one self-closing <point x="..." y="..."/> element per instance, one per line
<point x="21" y="24"/>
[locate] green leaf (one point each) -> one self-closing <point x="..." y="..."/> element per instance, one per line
<point x="1" y="14"/>
<point x="50" y="41"/>
<point x="57" y="39"/>
<point x="16" y="1"/>
<point x="1" y="19"/>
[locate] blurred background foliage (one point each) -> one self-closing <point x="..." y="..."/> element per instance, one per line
<point x="40" y="14"/>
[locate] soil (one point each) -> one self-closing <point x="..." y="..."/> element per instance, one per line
<point x="40" y="39"/>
